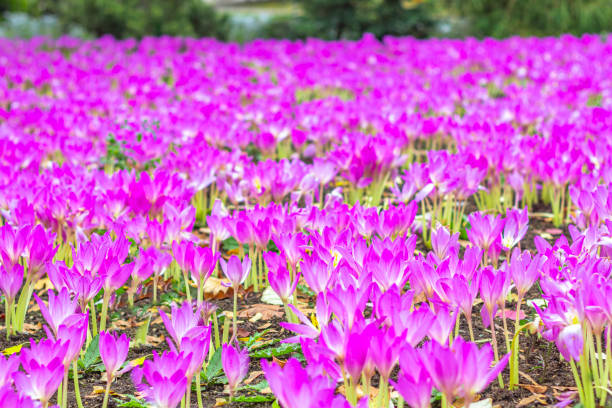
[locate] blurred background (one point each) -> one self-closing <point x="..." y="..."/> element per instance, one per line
<point x="243" y="20"/>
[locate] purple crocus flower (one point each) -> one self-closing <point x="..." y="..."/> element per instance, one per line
<point x="8" y="366"/>
<point x="40" y="251"/>
<point x="492" y="290"/>
<point x="183" y="252"/>
<point x="317" y="273"/>
<point x="13" y="243"/>
<point x="357" y="347"/>
<point x="443" y="368"/>
<point x="41" y="381"/>
<point x="443" y="244"/>
<point x="166" y="379"/>
<point x="235" y="365"/>
<point x="413" y="382"/>
<point x="11" y="279"/>
<point x="515" y="227"/>
<point x="43" y="363"/>
<point x="384" y="348"/>
<point x="59" y="309"/>
<point x="236" y="271"/>
<point x="477" y="371"/>
<point x="295" y="387"/>
<point x="73" y="333"/>
<point x="485" y="232"/>
<point x="113" y="351"/>
<point x="570" y="342"/>
<point x="414" y="387"/>
<point x="9" y="398"/>
<point x="202" y="263"/>
<point x="279" y="277"/>
<point x="184" y="322"/>
<point x="196" y="348"/>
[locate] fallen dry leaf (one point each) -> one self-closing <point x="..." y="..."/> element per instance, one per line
<point x="270" y="297"/>
<point x="485" y="403"/>
<point x="123" y="324"/>
<point x="97" y="390"/>
<point x="43" y="284"/>
<point x="278" y="361"/>
<point x="32" y="328"/>
<point x="155" y="341"/>
<point x="533" y="398"/>
<point x="253" y="376"/>
<point x="157" y="320"/>
<point x="534" y="389"/>
<point x="560" y="388"/>
<point x="213" y="289"/>
<point x="220" y="402"/>
<point x="267" y="311"/>
<point x="528" y="378"/>
<point x="256" y="318"/>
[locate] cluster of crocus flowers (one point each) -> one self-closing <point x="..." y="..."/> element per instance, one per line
<point x="303" y="176"/>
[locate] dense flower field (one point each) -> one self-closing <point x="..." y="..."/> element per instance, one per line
<point x="407" y="223"/>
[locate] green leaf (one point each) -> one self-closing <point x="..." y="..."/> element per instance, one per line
<point x="283" y="349"/>
<point x="230" y="244"/>
<point x="255" y="338"/>
<point x="134" y="403"/>
<point x="306" y="290"/>
<point x="92" y="354"/>
<point x="436" y="395"/>
<point x="255" y="387"/>
<point x="141" y="333"/>
<point x="252" y="399"/>
<point x="214" y="367"/>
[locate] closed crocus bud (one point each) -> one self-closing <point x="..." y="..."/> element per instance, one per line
<point x="236" y="271"/>
<point x="8" y="366"/>
<point x="13" y="243"/>
<point x="11" y="279"/>
<point x="280" y="278"/>
<point x="113" y="351"/>
<point x="73" y="333"/>
<point x="60" y="307"/>
<point x="295" y="387"/>
<point x="570" y="342"/>
<point x="202" y="264"/>
<point x="235" y="365"/>
<point x="414" y="386"/>
<point x="183" y="322"/>
<point x="443" y="243"/>
<point x="43" y="363"/>
<point x="41" y="382"/>
<point x="162" y="381"/>
<point x="9" y="398"/>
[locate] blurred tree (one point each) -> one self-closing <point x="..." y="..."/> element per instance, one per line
<point x="130" y="18"/>
<point x="503" y="18"/>
<point x="336" y="19"/>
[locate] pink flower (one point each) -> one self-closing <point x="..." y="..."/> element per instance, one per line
<point x="236" y="271"/>
<point x="235" y="365"/>
<point x="166" y="379"/>
<point x="59" y="309"/>
<point x="113" y="351"/>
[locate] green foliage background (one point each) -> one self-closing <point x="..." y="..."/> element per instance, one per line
<point x="327" y="19"/>
<point x="130" y="18"/>
<point x="504" y="18"/>
<point x="335" y="19"/>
